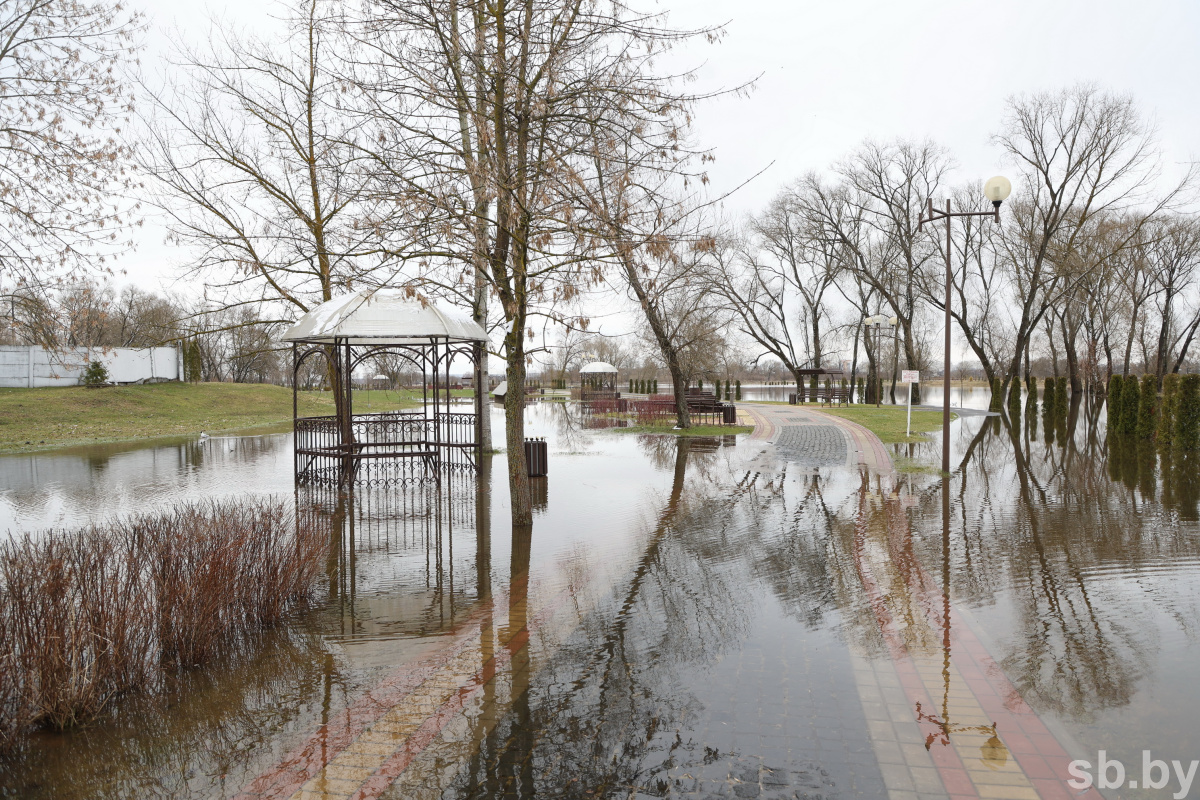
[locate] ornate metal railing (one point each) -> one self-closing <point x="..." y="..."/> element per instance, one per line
<point x="385" y="446"/>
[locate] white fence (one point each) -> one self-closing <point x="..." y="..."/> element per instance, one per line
<point x="33" y="366"/>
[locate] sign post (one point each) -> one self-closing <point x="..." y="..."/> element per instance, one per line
<point x="909" y="376"/>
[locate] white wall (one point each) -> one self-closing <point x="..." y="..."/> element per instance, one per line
<point x="33" y="366"/>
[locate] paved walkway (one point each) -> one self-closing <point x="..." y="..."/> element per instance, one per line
<point x="770" y="422"/>
<point x="943" y="721"/>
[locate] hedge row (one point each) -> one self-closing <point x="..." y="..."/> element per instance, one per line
<point x="1136" y="409"/>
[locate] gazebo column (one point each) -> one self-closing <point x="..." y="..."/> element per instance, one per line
<point x="347" y="413"/>
<point x="481" y="388"/>
<point x="295" y="410"/>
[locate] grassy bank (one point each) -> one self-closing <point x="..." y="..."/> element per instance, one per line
<point x="40" y="419"/>
<point x="887" y="422"/>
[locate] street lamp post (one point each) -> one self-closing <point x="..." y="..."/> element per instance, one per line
<point x="996" y="190"/>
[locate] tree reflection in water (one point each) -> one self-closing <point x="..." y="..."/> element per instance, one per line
<point x="1076" y="552"/>
<point x="1046" y="535"/>
<point x="614" y="707"/>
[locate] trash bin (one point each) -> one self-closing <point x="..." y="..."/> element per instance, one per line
<point x="535" y="457"/>
<point x="729" y="414"/>
<point x="792" y="398"/>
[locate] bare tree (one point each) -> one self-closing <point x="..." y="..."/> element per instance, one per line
<point x="1081" y="153"/>
<point x="795" y="247"/>
<point x="254" y="159"/>
<point x="496" y="106"/>
<point x="762" y="303"/>
<point x="65" y="102"/>
<point x="1174" y="254"/>
<point x="890" y="184"/>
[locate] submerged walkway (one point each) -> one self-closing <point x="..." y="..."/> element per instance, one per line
<point x="920" y="712"/>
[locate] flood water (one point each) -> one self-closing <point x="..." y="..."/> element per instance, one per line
<point x="961" y="395"/>
<point x="699" y="614"/>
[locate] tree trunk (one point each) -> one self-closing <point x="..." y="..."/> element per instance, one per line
<point x="816" y="334"/>
<point x="663" y="340"/>
<point x="514" y="411"/>
<point x="1129" y="342"/>
<point x="1072" y="356"/>
<point x="799" y="379"/>
<point x="854" y="366"/>
<point x="872" y="370"/>
<point x="1186" y="344"/>
<point x="1028" y="373"/>
<point x="1164" y="329"/>
<point x="1053" y="349"/>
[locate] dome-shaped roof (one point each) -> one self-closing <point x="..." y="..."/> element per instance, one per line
<point x="597" y="366"/>
<point x="381" y="316"/>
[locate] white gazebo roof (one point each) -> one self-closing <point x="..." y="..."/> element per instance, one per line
<point x="597" y="366"/>
<point x="383" y="316"/>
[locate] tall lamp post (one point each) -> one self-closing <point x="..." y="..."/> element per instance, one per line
<point x="997" y="190"/>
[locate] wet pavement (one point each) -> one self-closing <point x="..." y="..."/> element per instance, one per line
<point x="775" y="615"/>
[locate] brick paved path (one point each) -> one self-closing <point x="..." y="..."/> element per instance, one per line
<point x="813" y="445"/>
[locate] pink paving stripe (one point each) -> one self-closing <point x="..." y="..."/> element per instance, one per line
<point x="951" y="770"/>
<point x="323" y="745"/>
<point x="433" y="725"/>
<point x="1037" y="751"/>
<point x="331" y="739"/>
<point x="763" y="427"/>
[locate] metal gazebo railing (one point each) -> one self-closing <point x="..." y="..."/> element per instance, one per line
<point x="393" y="445"/>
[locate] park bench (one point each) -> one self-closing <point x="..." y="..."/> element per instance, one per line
<point x="706" y="404"/>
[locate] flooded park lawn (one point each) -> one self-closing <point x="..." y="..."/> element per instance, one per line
<point x="738" y="616"/>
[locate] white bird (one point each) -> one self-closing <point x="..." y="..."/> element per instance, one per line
<point x="203" y="436"/>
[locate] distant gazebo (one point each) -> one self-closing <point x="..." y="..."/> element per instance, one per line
<point x="598" y="381"/>
<point x="346" y="447"/>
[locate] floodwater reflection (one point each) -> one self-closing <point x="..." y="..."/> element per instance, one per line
<point x="686" y="613"/>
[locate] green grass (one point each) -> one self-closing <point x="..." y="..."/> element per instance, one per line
<point x="41" y="419"/>
<point x="695" y="430"/>
<point x="911" y="465"/>
<point x="887" y="422"/>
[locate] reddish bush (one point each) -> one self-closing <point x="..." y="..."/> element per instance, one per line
<point x="86" y="615"/>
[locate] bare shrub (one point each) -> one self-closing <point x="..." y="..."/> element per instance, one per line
<point x="654" y="410"/>
<point x="86" y="615"/>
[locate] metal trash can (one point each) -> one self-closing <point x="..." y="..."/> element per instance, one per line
<point x="535" y="457"/>
<point x="729" y="414"/>
<point x="792" y="399"/>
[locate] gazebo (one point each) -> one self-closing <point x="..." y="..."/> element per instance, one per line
<point x="394" y="445"/>
<point x="598" y="381"/>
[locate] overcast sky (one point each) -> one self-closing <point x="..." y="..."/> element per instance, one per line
<point x="836" y="72"/>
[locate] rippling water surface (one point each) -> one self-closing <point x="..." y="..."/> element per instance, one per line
<point x="723" y="602"/>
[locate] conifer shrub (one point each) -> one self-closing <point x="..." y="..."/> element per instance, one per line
<point x="1147" y="423"/>
<point x="1116" y="388"/>
<point x="1130" y="400"/>
<point x="96" y="374"/>
<point x="1187" y="413"/>
<point x="1167" y="412"/>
